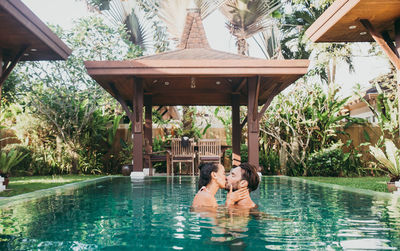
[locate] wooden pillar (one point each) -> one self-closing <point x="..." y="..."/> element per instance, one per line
<point x="252" y="120"/>
<point x="148" y="132"/>
<point x="397" y="40"/>
<point x="137" y="124"/>
<point x="148" y="127"/>
<point x="236" y="129"/>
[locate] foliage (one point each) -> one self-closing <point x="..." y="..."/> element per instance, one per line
<point x="328" y="161"/>
<point x="245" y="18"/>
<point x="386" y="110"/>
<point x="74" y="119"/>
<point x="8" y="90"/>
<point x="189" y="126"/>
<point x="295" y="44"/>
<point x="304" y="121"/>
<point x="225" y="120"/>
<point x="243" y="153"/>
<point x="389" y="160"/>
<point x="9" y="160"/>
<point x="269" y="160"/>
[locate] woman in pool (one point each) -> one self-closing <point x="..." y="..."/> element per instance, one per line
<point x="212" y="177"/>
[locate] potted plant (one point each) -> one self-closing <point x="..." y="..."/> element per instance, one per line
<point x="8" y="160"/>
<point x="389" y="162"/>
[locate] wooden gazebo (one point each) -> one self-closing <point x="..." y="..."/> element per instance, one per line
<point x="195" y="74"/>
<point x="24" y="37"/>
<point x="362" y="21"/>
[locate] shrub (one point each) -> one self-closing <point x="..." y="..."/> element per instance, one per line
<point x="329" y="161"/>
<point x="24" y="166"/>
<point x="270" y="162"/>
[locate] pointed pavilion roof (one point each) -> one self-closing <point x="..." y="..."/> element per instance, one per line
<point x="195" y="74"/>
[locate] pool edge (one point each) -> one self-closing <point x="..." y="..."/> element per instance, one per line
<point x="21" y="198"/>
<point x="343" y="188"/>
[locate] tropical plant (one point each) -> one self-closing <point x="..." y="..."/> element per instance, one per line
<point x="304" y="121"/>
<point x="329" y="161"/>
<point x="245" y="18"/>
<point x="71" y="105"/>
<point x="389" y="160"/>
<point x="128" y="14"/>
<point x="386" y="109"/>
<point x="10" y="159"/>
<point x="295" y="45"/>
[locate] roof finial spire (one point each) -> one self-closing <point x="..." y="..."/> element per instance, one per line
<point x="193" y="35"/>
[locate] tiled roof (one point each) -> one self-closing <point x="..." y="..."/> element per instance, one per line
<point x="197" y="53"/>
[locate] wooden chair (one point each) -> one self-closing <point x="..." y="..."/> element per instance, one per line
<point x="151" y="157"/>
<point x="181" y="154"/>
<point x="209" y="150"/>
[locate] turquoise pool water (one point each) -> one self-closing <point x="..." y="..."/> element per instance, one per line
<point x="155" y="214"/>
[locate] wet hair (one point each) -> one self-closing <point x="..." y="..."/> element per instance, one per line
<point x="205" y="173"/>
<point x="249" y="173"/>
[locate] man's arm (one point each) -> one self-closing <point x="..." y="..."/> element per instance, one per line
<point x="233" y="197"/>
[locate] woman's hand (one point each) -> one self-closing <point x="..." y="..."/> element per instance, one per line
<point x="233" y="197"/>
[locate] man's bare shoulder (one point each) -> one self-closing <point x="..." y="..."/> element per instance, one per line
<point x="204" y="199"/>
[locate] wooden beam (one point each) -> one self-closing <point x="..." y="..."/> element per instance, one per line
<point x="236" y="130"/>
<point x="244" y="81"/>
<point x="14" y="62"/>
<point x="382" y="43"/>
<point x="121" y="101"/>
<point x="274" y="92"/>
<point x="388" y="40"/>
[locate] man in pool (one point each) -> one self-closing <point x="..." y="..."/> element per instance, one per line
<point x="240" y="182"/>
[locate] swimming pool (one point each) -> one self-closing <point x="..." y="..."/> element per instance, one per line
<point x="117" y="214"/>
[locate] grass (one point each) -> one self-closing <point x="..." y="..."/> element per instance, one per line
<point x="371" y="183"/>
<point x="20" y="185"/>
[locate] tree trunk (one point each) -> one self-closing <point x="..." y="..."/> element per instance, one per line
<point x="243" y="47"/>
<point x="74" y="161"/>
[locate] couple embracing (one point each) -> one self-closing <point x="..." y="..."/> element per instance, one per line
<point x="239" y="183"/>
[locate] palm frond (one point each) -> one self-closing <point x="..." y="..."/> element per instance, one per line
<point x="126" y="12"/>
<point x="245" y="18"/>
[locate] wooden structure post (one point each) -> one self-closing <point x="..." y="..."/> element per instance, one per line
<point x="137" y="125"/>
<point x="236" y="129"/>
<point x="253" y="127"/>
<point x="148" y="132"/>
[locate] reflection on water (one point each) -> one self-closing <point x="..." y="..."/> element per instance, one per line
<point x="155" y="214"/>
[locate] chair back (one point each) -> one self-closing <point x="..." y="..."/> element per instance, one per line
<point x="179" y="151"/>
<point x="209" y="148"/>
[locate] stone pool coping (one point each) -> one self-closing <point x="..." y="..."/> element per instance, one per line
<point x="10" y="201"/>
<point x="380" y="195"/>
